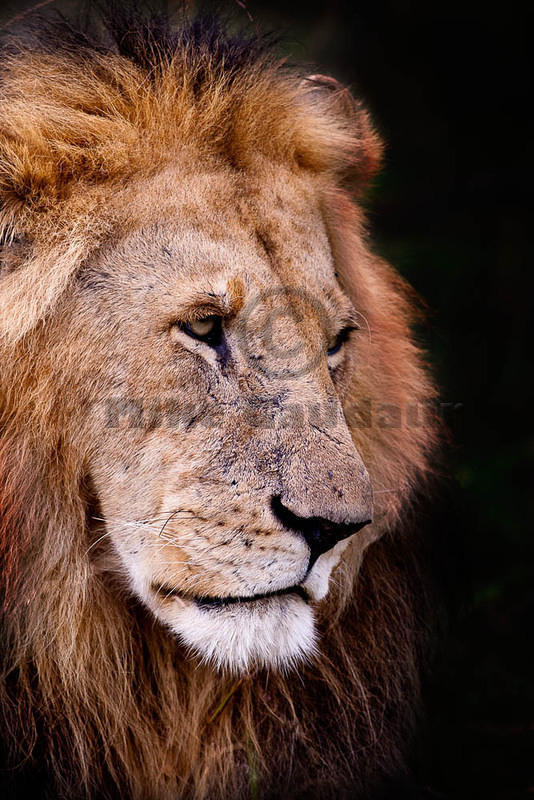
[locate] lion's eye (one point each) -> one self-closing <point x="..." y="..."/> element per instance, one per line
<point x="336" y="345"/>
<point x="207" y="329"/>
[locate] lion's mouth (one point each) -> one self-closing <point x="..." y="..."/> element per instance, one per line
<point x="205" y="601"/>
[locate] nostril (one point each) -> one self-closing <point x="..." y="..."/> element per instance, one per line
<point x="287" y="517"/>
<point x="320" y="533"/>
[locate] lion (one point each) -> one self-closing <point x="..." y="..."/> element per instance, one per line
<point x="214" y="423"/>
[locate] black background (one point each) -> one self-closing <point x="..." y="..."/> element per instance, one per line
<point x="449" y="86"/>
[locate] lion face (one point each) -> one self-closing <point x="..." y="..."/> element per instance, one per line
<point x="186" y="403"/>
<point x="223" y="465"/>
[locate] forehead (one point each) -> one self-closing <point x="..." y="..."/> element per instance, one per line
<point x="265" y="227"/>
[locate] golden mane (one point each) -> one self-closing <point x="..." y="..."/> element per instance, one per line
<point x="98" y="117"/>
<point x="92" y="691"/>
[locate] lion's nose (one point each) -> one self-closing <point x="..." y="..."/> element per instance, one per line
<point x="321" y="534"/>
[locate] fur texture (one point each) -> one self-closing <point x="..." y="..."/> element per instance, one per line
<point x="148" y="149"/>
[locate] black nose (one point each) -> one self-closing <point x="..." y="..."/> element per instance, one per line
<point x="321" y="534"/>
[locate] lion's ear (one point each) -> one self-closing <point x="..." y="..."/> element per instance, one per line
<point x="363" y="156"/>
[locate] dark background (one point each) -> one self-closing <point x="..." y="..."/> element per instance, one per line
<point x="450" y="89"/>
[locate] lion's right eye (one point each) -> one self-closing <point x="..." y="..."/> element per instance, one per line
<point x="207" y="329"/>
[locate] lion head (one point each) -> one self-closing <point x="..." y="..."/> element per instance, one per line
<point x="207" y="381"/>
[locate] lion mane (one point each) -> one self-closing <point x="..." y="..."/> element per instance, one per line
<point x="96" y="698"/>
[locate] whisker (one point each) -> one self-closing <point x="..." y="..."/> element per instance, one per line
<point x="97" y="541"/>
<point x="174" y="514"/>
<point x="163" y="515"/>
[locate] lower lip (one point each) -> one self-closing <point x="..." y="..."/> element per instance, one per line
<point x="222" y="602"/>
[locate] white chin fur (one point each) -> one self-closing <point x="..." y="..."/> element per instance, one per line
<point x="274" y="632"/>
<point x="317" y="582"/>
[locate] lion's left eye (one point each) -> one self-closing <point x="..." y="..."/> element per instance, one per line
<point x="336" y="345"/>
<point x="207" y="329"/>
